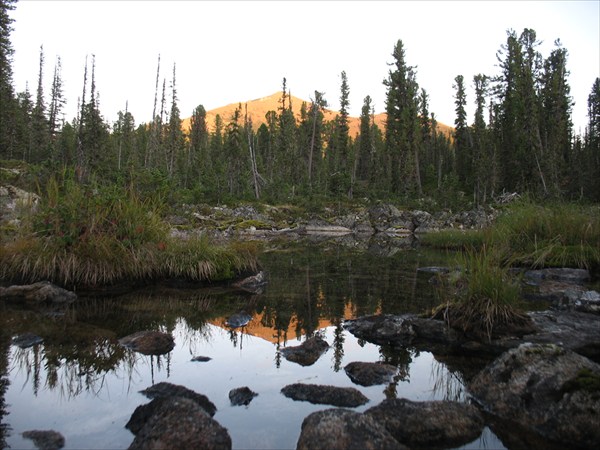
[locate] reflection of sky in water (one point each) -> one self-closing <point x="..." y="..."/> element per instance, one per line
<point x="97" y="419"/>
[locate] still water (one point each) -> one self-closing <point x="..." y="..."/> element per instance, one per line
<point x="81" y="383"/>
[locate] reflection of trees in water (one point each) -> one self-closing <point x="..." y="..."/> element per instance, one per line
<point x="4" y="382"/>
<point x="338" y="346"/>
<point x="401" y="358"/>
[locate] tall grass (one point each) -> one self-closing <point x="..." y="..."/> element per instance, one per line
<point x="525" y="234"/>
<point x="90" y="237"/>
<point x="484" y="300"/>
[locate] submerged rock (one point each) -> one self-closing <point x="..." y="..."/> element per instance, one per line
<point x="238" y="320"/>
<point x="341" y="429"/>
<point x="307" y="353"/>
<point x="179" y="422"/>
<point x="45" y="439"/>
<point x="553" y="391"/>
<point x="433" y="424"/>
<point x="325" y="395"/>
<point x="27" y="340"/>
<point x="149" y="342"/>
<point x="164" y="390"/>
<point x="41" y="292"/>
<point x="201" y="358"/>
<point x="370" y="374"/>
<point x="241" y="396"/>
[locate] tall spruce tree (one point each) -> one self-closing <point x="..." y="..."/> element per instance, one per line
<point x="8" y="101"/>
<point x="462" y="138"/>
<point x="39" y="121"/>
<point x="402" y="124"/>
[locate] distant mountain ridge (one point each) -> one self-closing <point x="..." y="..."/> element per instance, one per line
<point x="258" y="109"/>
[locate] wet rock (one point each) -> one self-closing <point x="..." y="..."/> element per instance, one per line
<point x="180" y="422"/>
<point x="370" y="374"/>
<point x="553" y="391"/>
<point x="27" y="340"/>
<point x="341" y="429"/>
<point x="577" y="331"/>
<point x="241" y="396"/>
<point x="149" y="342"/>
<point x="41" y="292"/>
<point x="238" y="320"/>
<point x="253" y="283"/>
<point x="432" y="424"/>
<point x="201" y="359"/>
<point x="45" y="439"/>
<point x="307" y="353"/>
<point x="164" y="390"/>
<point x="325" y="395"/>
<point x="387" y="217"/>
<point x="559" y="274"/>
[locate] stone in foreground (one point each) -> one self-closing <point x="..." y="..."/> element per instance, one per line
<point x="370" y="374"/>
<point x="45" y="439"/>
<point x="341" y="429"/>
<point x="241" y="396"/>
<point x="164" y="390"/>
<point x="41" y="292"/>
<point x="149" y="342"/>
<point x="181" y="423"/>
<point x="307" y="353"/>
<point x="325" y="395"/>
<point x="546" y="388"/>
<point x="440" y="424"/>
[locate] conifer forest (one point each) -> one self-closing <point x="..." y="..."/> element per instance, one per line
<point x="521" y="139"/>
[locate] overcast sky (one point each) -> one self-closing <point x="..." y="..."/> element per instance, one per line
<point x="229" y="51"/>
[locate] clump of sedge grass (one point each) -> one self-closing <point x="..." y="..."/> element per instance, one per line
<point x="453" y="239"/>
<point x="483" y="301"/>
<point x="84" y="238"/>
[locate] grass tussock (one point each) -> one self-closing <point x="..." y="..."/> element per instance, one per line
<point x="84" y="237"/>
<point x="535" y="236"/>
<point x="483" y="301"/>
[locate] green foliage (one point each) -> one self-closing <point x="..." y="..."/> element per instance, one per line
<point x="452" y="239"/>
<point x="84" y="236"/>
<point x="483" y="300"/>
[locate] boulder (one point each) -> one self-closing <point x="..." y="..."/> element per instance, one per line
<point x="325" y="395"/>
<point x="164" y="390"/>
<point x="179" y="422"/>
<point x="341" y="429"/>
<point x="41" y="292"/>
<point x="370" y="374"/>
<point x="431" y="424"/>
<point x="307" y="353"/>
<point x="238" y="320"/>
<point x="241" y="396"/>
<point x="149" y="342"/>
<point x="553" y="391"/>
<point x="45" y="439"/>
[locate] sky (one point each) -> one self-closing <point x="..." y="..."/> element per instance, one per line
<point x="233" y="51"/>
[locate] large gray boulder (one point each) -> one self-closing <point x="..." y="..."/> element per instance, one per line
<point x="179" y="422"/>
<point x="433" y="424"/>
<point x="346" y="397"/>
<point x="546" y="388"/>
<point x="341" y="429"/>
<point x="165" y="390"/>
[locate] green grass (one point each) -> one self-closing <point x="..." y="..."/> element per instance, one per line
<point x="483" y="301"/>
<point x="91" y="237"/>
<point x="534" y="236"/>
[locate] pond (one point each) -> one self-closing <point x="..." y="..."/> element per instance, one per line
<point x="83" y="384"/>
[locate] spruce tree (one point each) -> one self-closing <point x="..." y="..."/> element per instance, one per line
<point x="8" y="102"/>
<point x="39" y="122"/>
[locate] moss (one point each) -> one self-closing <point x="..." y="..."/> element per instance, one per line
<point x="247" y="224"/>
<point x="585" y="380"/>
